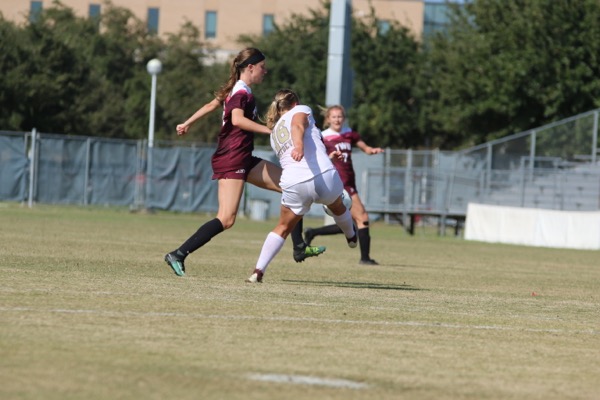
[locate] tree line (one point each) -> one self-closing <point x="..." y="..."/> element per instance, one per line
<point x="499" y="67"/>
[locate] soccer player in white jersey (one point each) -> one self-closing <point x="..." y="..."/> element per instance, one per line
<point x="308" y="175"/>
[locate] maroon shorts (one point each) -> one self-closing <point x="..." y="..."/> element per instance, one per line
<point x="241" y="173"/>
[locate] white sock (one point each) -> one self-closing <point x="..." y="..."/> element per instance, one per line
<point x="345" y="222"/>
<point x="272" y="246"/>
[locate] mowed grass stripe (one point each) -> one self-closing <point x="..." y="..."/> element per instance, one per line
<point x="128" y="314"/>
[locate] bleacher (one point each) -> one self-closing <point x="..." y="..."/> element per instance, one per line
<point x="540" y="168"/>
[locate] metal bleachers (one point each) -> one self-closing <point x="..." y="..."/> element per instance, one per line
<point x="552" y="167"/>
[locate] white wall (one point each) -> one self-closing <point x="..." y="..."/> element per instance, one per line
<point x="533" y="226"/>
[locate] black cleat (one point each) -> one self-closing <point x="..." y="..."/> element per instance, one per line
<point x="308" y="251"/>
<point x="175" y="263"/>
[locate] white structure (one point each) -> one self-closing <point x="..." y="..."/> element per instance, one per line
<point x="533" y="227"/>
<point x="339" y="78"/>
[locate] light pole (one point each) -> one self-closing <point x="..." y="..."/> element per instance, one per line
<point x="153" y="67"/>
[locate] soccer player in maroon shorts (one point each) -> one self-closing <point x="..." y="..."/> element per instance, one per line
<point x="339" y="140"/>
<point x="233" y="163"/>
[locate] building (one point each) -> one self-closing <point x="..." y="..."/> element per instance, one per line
<point x="222" y="21"/>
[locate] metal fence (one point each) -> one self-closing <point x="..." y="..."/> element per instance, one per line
<point x="552" y="167"/>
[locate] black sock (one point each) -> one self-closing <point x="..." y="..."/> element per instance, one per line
<point x="327" y="230"/>
<point x="364" y="240"/>
<point x="297" y="239"/>
<point x="202" y="236"/>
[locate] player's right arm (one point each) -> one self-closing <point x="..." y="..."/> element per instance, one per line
<point x="182" y="129"/>
<point x="298" y="125"/>
<point x="238" y="119"/>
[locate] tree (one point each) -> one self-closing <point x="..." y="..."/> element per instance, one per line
<point x="506" y="66"/>
<point x="385" y="68"/>
<point x="296" y="58"/>
<point x="186" y="83"/>
<point x="384" y="73"/>
<point x="72" y="75"/>
<point x="12" y="56"/>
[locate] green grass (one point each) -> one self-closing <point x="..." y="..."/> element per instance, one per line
<point x="89" y="310"/>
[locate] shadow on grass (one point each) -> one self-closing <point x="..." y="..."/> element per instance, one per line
<point x="355" y="285"/>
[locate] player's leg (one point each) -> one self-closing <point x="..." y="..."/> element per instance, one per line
<point x="274" y="242"/>
<point x="328" y="187"/>
<point x="360" y="215"/>
<point x="343" y="219"/>
<point x="267" y="175"/>
<point x="310" y="233"/>
<point x="229" y="195"/>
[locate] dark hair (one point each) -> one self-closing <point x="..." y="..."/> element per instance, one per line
<point x="248" y="56"/>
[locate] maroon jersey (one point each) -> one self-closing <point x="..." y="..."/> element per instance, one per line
<point x="343" y="142"/>
<point x="234" y="146"/>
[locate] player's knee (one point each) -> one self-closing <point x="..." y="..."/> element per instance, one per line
<point x="228" y="222"/>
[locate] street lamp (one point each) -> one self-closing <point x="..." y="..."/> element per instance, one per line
<point x="154" y="67"/>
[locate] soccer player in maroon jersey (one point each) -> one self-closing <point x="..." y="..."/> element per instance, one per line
<point x="337" y="139"/>
<point x="233" y="163"/>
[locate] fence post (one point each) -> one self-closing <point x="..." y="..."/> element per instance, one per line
<point x="408" y="187"/>
<point x="487" y="179"/>
<point x="86" y="178"/>
<point x="32" y="167"/>
<point x="595" y="138"/>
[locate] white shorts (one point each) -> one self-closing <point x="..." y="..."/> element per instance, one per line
<point x="323" y="189"/>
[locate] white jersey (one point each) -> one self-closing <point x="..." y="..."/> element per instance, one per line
<point x="315" y="160"/>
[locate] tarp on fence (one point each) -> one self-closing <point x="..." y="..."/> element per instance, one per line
<point x="181" y="179"/>
<point x="13" y="168"/>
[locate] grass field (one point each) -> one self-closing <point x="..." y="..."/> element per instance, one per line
<point x="89" y="310"/>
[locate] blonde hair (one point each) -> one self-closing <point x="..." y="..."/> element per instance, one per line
<point x="282" y="102"/>
<point x="239" y="63"/>
<point x="326" y="111"/>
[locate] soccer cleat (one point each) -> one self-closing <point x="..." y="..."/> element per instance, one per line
<point x="309" y="235"/>
<point x="308" y="251"/>
<point x="369" y="261"/>
<point x="175" y="263"/>
<point x="353" y="241"/>
<point x="256" y="277"/>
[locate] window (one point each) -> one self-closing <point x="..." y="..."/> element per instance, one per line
<point x="435" y="19"/>
<point x="94" y="14"/>
<point x="268" y="26"/>
<point x="384" y="26"/>
<point x="35" y="8"/>
<point x="153" y="15"/>
<point x="210" y="25"/>
<point x="94" y="11"/>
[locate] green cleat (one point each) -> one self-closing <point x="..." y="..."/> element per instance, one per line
<point x="308" y="251"/>
<point x="175" y="263"/>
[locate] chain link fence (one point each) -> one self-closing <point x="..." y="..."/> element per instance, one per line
<point x="553" y="167"/>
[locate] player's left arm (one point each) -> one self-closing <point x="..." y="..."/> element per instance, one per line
<point x="368" y="149"/>
<point x="299" y="125"/>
